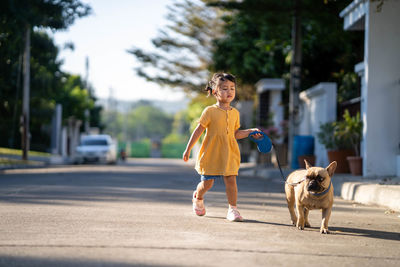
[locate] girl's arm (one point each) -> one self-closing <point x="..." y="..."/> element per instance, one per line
<point x="192" y="141"/>
<point x="240" y="134"/>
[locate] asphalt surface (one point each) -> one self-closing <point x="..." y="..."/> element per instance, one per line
<point x="139" y="214"/>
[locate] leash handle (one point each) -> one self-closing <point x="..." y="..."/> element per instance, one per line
<point x="264" y="144"/>
<point x="256" y="140"/>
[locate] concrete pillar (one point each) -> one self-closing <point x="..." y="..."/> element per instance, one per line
<point x="56" y="130"/>
<point x="381" y="96"/>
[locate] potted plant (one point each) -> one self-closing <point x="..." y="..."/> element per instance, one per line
<point x="338" y="147"/>
<point x="350" y="129"/>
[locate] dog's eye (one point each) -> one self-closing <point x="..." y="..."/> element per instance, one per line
<point x="320" y="178"/>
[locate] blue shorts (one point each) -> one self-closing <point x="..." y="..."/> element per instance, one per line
<point x="210" y="177"/>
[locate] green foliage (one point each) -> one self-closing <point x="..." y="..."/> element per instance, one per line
<point x="173" y="150"/>
<point x="173" y="146"/>
<point x="348" y="86"/>
<point x="344" y="134"/>
<point x="181" y="124"/>
<point x="328" y="137"/>
<point x="54" y="14"/>
<point x="252" y="48"/>
<point x="49" y="85"/>
<point x="350" y="129"/>
<point x="148" y="121"/>
<point x="74" y="97"/>
<point x="143" y="121"/>
<point x="141" y="149"/>
<point x="196" y="107"/>
<point x="115" y="124"/>
<point x="257" y="42"/>
<point x="175" y="138"/>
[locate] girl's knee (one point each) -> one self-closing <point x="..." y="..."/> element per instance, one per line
<point x="230" y="180"/>
<point x="208" y="184"/>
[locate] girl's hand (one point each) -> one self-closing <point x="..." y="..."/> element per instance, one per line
<point x="257" y="135"/>
<point x="186" y="155"/>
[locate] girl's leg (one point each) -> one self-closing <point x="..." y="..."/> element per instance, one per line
<point x="231" y="189"/>
<point x="203" y="187"/>
<point x="231" y="193"/>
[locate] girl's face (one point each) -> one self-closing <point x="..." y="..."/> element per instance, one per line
<point x="225" y="91"/>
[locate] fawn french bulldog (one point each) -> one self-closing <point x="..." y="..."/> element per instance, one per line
<point x="310" y="189"/>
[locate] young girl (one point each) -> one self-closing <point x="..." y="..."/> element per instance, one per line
<point x="219" y="154"/>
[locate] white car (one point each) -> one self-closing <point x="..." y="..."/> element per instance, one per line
<point x="96" y="148"/>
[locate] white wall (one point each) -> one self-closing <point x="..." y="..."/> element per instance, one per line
<point x="381" y="96"/>
<point x="319" y="106"/>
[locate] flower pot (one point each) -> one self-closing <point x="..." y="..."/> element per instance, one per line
<point x="340" y="156"/>
<point x="309" y="158"/>
<point x="355" y="164"/>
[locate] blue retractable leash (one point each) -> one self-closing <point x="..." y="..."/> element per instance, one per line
<point x="264" y="145"/>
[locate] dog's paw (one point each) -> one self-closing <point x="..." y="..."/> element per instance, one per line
<point x="300" y="227"/>
<point x="324" y="231"/>
<point x="293" y="223"/>
<point x="307" y="224"/>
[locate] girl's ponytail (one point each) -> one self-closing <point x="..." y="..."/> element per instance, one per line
<point x="209" y="88"/>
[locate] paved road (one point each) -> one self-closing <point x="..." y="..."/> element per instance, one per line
<point x="139" y="214"/>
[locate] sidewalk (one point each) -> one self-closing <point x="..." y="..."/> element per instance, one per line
<point x="381" y="191"/>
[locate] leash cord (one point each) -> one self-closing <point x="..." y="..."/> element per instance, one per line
<point x="279" y="164"/>
<point x="280" y="168"/>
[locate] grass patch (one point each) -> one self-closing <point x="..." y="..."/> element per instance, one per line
<point x="7" y="161"/>
<point x="18" y="152"/>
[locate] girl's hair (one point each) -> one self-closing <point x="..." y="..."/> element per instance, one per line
<point x="217" y="77"/>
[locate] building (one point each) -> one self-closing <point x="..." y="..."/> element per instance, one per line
<point x="380" y="82"/>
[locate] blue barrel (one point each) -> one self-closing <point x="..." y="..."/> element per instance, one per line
<point x="302" y="145"/>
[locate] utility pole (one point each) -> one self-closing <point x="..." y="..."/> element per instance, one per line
<point x="295" y="77"/>
<point x="87" y="113"/>
<point x="25" y="101"/>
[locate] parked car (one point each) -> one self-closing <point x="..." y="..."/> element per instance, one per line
<point x="96" y="148"/>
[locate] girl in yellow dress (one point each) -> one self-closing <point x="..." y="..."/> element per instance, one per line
<point x="219" y="154"/>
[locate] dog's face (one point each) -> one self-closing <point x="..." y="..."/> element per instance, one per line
<point x="318" y="179"/>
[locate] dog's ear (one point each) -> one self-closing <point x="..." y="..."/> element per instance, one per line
<point x="331" y="168"/>
<point x="308" y="165"/>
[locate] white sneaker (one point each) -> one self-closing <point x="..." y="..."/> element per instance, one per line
<point x="234" y="215"/>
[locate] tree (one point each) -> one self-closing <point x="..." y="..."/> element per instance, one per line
<point x="46" y="76"/>
<point x="183" y="50"/>
<point x="53" y="14"/>
<point x="258" y="44"/>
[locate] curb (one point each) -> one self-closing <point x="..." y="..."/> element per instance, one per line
<point x="372" y="194"/>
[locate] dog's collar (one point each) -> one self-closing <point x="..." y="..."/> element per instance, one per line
<point x="323" y="192"/>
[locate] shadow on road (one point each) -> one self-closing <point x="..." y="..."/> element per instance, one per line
<point x="366" y="233"/>
<point x="38" y="261"/>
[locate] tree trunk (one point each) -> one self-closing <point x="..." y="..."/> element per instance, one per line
<point x="25" y="100"/>
<point x="295" y="76"/>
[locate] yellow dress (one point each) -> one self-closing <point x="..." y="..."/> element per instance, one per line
<point x="219" y="153"/>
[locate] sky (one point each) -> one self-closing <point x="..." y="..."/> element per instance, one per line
<point x="104" y="36"/>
